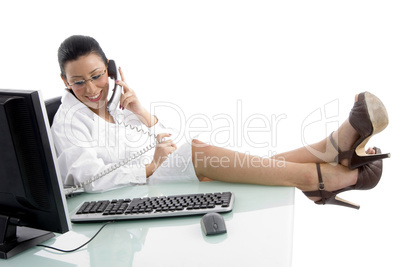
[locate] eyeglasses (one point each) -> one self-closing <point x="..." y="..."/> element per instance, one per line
<point x="94" y="79"/>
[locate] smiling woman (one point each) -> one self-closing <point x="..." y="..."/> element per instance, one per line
<point x="83" y="71"/>
<point x="83" y="65"/>
<point x="85" y="76"/>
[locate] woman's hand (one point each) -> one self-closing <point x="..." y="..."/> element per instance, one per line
<point x="130" y="101"/>
<point x="162" y="151"/>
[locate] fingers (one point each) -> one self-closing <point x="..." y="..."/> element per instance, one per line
<point x="167" y="145"/>
<point x="122" y="75"/>
<point x="370" y="150"/>
<point x="123" y="84"/>
<point x="160" y="136"/>
<point x="163" y="149"/>
<point x="127" y="98"/>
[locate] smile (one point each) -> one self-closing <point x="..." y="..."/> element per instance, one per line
<point x="95" y="98"/>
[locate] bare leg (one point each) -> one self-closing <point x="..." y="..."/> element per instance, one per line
<point x="295" y="168"/>
<point x="324" y="151"/>
<point x="226" y="165"/>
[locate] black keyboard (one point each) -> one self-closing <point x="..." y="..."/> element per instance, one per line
<point x="153" y="207"/>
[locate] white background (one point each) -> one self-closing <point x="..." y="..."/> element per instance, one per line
<point x="276" y="58"/>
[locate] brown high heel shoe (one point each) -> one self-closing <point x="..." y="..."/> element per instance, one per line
<point x="368" y="117"/>
<point x="368" y="177"/>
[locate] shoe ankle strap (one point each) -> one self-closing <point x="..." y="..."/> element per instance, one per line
<point x="320" y="181"/>
<point x="341" y="154"/>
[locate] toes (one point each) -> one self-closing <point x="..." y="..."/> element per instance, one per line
<point x="370" y="150"/>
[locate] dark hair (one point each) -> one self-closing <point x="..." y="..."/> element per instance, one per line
<point x="76" y="46"/>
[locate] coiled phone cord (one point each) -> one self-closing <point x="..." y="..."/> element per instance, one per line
<point x="71" y="190"/>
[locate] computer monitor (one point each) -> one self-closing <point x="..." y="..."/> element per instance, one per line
<point x="32" y="203"/>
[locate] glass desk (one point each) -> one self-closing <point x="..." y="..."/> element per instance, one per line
<point x="259" y="233"/>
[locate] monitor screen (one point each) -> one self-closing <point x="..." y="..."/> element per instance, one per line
<point x="32" y="203"/>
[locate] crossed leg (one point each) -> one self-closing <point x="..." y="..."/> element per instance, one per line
<point x="295" y="168"/>
<point x="225" y="165"/>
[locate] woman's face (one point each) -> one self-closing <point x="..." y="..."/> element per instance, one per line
<point x="92" y="93"/>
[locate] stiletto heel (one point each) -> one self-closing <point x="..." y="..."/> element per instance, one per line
<point x="368" y="177"/>
<point x="368" y="117"/>
<point x="335" y="200"/>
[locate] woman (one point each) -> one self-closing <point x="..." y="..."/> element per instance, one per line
<point x="90" y="141"/>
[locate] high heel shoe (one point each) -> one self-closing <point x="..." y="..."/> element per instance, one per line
<point x="368" y="177"/>
<point x="368" y="117"/>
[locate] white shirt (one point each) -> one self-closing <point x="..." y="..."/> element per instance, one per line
<point x="87" y="145"/>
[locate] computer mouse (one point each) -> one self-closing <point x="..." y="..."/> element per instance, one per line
<point x="213" y="224"/>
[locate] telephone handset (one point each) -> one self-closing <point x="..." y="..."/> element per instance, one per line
<point x="112" y="106"/>
<point x="114" y="101"/>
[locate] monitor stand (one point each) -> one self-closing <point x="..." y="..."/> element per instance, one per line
<point x="15" y="239"/>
